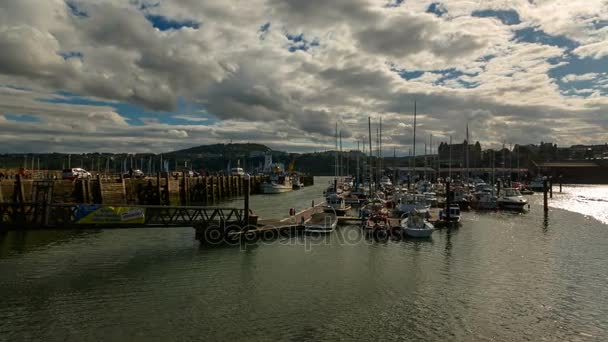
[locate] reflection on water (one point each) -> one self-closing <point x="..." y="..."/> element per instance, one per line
<point x="501" y="276"/>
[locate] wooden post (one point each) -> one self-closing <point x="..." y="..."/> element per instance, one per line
<point x="47" y="204"/>
<point x="246" y="215"/>
<point x="213" y="189"/>
<point x="447" y="199"/>
<point x="18" y="193"/>
<point x="167" y="188"/>
<point x="100" y="189"/>
<point x="158" y="189"/>
<point x="545" y="202"/>
<point x="182" y="189"/>
<point x="550" y="187"/>
<point x="560" y="184"/>
<point x="205" y="190"/>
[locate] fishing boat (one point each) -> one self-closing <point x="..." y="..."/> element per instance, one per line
<point x="511" y="199"/>
<point x="321" y="223"/>
<point x="416" y="225"/>
<point x="335" y="203"/>
<point x="278" y="183"/>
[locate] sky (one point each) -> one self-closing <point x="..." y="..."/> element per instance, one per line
<point x="158" y="75"/>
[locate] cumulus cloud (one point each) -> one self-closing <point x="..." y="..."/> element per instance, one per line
<point x="283" y="72"/>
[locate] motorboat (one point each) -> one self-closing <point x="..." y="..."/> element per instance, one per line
<point x="278" y="183"/>
<point x="416" y="225"/>
<point x="512" y="199"/>
<point x="484" y="201"/>
<point x="335" y="203"/>
<point x="321" y="223"/>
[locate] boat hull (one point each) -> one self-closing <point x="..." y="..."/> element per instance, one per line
<point x="418" y="233"/>
<point x="275" y="189"/>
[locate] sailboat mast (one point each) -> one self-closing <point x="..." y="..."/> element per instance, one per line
<point x="341" y="166"/>
<point x="380" y="169"/>
<point x="370" y="154"/>
<point x="414" y="140"/>
<point x="336" y="154"/>
<point x="450" y="165"/>
<point x="357" y="178"/>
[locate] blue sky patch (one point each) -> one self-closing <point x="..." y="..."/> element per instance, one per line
<point x="535" y="35"/>
<point x="164" y="24"/>
<point x="71" y="54"/>
<point x="135" y="115"/>
<point x="394" y="3"/>
<point x="298" y="42"/>
<point x="77" y="12"/>
<point x="437" y="8"/>
<point x="507" y="17"/>
<point x="579" y="66"/>
<point x="22" y="118"/>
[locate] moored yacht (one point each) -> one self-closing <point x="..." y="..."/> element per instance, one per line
<point x="511" y="199"/>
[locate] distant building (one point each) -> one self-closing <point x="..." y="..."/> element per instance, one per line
<point x="459" y="154"/>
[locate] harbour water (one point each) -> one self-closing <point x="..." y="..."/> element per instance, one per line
<point x="500" y="277"/>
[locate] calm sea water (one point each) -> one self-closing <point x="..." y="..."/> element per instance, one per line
<point x="500" y="277"/>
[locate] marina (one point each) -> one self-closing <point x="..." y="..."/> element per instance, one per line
<point x="477" y="269"/>
<point x="289" y="170"/>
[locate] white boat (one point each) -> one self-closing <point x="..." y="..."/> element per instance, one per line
<point x="276" y="185"/>
<point x="321" y="223"/>
<point x="416" y="225"/>
<point x="336" y="203"/>
<point x="511" y="199"/>
<point x="237" y="171"/>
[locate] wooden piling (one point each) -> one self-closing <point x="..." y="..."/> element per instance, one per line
<point x="167" y="199"/>
<point x="550" y="187"/>
<point x="545" y="201"/>
<point x="100" y="190"/>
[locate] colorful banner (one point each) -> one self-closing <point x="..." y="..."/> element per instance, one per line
<point x="96" y="214"/>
